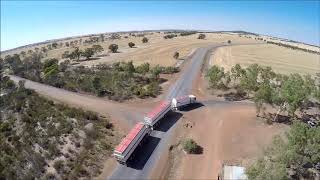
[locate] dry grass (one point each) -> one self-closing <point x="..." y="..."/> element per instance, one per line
<point x="157" y="51"/>
<point x="281" y="59"/>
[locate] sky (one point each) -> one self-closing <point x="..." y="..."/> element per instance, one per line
<point x="25" y="22"/>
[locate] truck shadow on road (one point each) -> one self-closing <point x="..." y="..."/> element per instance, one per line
<point x="191" y="107"/>
<point x="143" y="153"/>
<point x="168" y="121"/>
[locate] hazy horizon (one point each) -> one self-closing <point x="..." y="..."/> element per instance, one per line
<point x="29" y="22"/>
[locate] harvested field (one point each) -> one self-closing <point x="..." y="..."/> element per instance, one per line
<point x="281" y="59"/>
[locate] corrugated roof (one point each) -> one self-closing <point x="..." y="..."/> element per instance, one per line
<point x="128" y="139"/>
<point x="157" y="109"/>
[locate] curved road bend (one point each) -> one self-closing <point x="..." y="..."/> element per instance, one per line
<point x="127" y="116"/>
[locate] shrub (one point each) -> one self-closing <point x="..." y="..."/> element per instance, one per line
<point x="143" y="68"/>
<point x="113" y="48"/>
<point x="169" y="36"/>
<point x="58" y="165"/>
<point x="176" y="55"/>
<point x="97" y="48"/>
<point x="201" y="36"/>
<point x="88" y="53"/>
<point x="131" y="44"/>
<point x="191" y="147"/>
<point x="145" y="40"/>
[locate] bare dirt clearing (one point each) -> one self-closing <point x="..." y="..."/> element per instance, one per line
<point x="281" y="59"/>
<point x="227" y="134"/>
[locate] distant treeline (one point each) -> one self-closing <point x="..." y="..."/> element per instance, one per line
<point x="294" y="47"/>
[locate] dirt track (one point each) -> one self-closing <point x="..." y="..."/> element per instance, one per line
<point x="122" y="116"/>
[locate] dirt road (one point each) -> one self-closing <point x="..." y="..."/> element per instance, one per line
<point x="120" y="114"/>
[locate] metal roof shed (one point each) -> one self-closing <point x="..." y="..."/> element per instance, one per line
<point x="234" y="173"/>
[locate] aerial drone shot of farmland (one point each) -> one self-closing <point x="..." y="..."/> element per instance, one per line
<point x="221" y="90"/>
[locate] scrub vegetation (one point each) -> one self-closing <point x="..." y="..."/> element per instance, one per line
<point x="118" y="81"/>
<point x="297" y="156"/>
<point x="41" y="139"/>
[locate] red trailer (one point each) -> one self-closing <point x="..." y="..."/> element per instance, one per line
<point x="153" y="117"/>
<point x="128" y="144"/>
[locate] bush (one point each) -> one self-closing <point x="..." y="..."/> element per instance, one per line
<point x="201" y="36"/>
<point x="188" y="33"/>
<point x="191" y="147"/>
<point x="176" y="55"/>
<point x="169" y="36"/>
<point x="97" y="48"/>
<point x="88" y="53"/>
<point x="113" y="48"/>
<point x="58" y="165"/>
<point x="131" y="44"/>
<point x="145" y="40"/>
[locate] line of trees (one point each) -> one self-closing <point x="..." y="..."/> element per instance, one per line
<point x="188" y="33"/>
<point x="263" y="86"/>
<point x="77" y="53"/>
<point x="294" y="47"/>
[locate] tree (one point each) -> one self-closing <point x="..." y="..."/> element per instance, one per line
<point x="131" y="44"/>
<point x="76" y="54"/>
<point x="229" y="41"/>
<point x="50" y="67"/>
<point x="113" y="48"/>
<point x="145" y="40"/>
<point x="201" y="36"/>
<point x="294" y="91"/>
<point x="237" y="71"/>
<point x="88" y="52"/>
<point x="176" y="55"/>
<point x="97" y="48"/>
<point x="262" y="96"/>
<point x="215" y="75"/>
<point x="249" y="81"/>
<point x="54" y="45"/>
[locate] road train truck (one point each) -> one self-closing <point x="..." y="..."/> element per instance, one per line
<point x="123" y="152"/>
